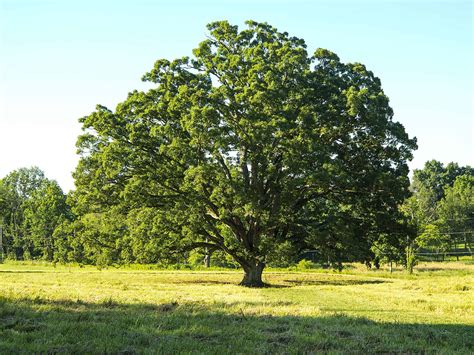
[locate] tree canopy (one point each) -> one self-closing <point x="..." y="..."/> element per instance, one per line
<point x="249" y="145"/>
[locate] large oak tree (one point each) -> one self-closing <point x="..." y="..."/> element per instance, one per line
<point x="250" y="145"/>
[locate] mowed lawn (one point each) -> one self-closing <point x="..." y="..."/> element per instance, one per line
<point x="84" y="310"/>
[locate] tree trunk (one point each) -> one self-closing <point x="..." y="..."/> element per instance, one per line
<point x="391" y="269"/>
<point x="207" y="259"/>
<point x="207" y="256"/>
<point x="253" y="275"/>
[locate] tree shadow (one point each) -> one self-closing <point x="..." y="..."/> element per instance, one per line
<point x="67" y="326"/>
<point x="342" y="282"/>
<point x="430" y="269"/>
<point x="210" y="282"/>
<point x="286" y="284"/>
<point x="200" y="281"/>
<point x="23" y="272"/>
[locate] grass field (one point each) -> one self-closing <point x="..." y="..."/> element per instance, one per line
<point x="84" y="310"/>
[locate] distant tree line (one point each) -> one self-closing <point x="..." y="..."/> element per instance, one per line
<point x="40" y="222"/>
<point x="441" y="208"/>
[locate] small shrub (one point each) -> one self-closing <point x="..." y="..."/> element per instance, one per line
<point x="306" y="264"/>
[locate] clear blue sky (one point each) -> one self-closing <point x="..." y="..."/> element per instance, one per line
<point x="58" y="59"/>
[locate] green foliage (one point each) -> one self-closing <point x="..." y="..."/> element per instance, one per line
<point x="24" y="181"/>
<point x="389" y="248"/>
<point x="282" y="254"/>
<point x="433" y="238"/>
<point x="68" y="247"/>
<point x="429" y="186"/>
<point x="145" y="242"/>
<point x="43" y="212"/>
<point x="306" y="265"/>
<point x="435" y="177"/>
<point x="441" y="208"/>
<point x="16" y="188"/>
<point x="100" y="234"/>
<point x="249" y="145"/>
<point x="456" y="210"/>
<point x="31" y="207"/>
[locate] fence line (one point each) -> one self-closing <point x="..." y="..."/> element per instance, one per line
<point x="448" y="253"/>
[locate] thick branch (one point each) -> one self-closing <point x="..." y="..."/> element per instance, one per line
<point x="210" y="246"/>
<point x="223" y="164"/>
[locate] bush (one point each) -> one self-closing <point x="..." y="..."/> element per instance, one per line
<point x="306" y="264"/>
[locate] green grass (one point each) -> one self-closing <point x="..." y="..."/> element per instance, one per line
<point x="83" y="310"/>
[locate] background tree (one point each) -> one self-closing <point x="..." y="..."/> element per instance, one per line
<point x="391" y="247"/>
<point x="31" y="207"/>
<point x="456" y="210"/>
<point x="43" y="212"/>
<point x="432" y="239"/>
<point x="249" y="145"/>
<point x="429" y="186"/>
<point x="19" y="185"/>
<point x="5" y="203"/>
<point x="430" y="204"/>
